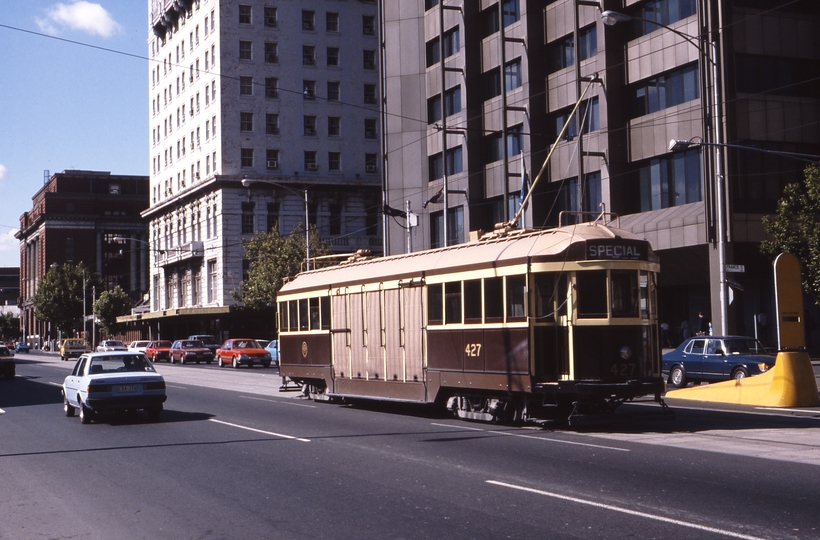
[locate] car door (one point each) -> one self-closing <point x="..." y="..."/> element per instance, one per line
<point x="713" y="360"/>
<point x="693" y="358"/>
<point x="71" y="386"/>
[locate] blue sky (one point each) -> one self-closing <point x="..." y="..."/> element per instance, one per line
<point x="68" y="106"/>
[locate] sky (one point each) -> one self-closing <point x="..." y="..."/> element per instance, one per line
<point x="73" y="95"/>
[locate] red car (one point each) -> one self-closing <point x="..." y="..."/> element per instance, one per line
<point x="190" y="350"/>
<point x="158" y="350"/>
<point x="242" y="351"/>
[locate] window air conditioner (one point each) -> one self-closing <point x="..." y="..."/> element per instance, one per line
<point x="312" y="167"/>
<point x="273" y="164"/>
<point x="370" y="168"/>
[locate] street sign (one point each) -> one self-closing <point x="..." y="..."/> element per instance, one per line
<point x="735" y="268"/>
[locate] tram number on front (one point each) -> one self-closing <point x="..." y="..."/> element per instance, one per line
<point x="623" y="370"/>
<point x="473" y="349"/>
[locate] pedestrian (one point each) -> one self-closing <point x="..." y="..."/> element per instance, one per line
<point x="701" y="324"/>
<point x="665" y="335"/>
<point x="685" y="330"/>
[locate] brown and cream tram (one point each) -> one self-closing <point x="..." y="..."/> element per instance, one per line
<point x="511" y="327"/>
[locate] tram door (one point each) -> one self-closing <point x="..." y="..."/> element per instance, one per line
<point x="358" y="352"/>
<point x="550" y="332"/>
<point x="413" y="335"/>
<point x="339" y="335"/>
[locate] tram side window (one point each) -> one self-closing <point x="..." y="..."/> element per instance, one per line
<point x="313" y="303"/>
<point x="293" y="316"/>
<point x="625" y="298"/>
<point x="644" y="284"/>
<point x="546" y="293"/>
<point x="516" y="296"/>
<point x="472" y="301"/>
<point x="303" y="314"/>
<point x="283" y="316"/>
<point x="493" y="299"/>
<point x="591" y="292"/>
<point x="435" y="304"/>
<point x="324" y="307"/>
<point x="452" y="303"/>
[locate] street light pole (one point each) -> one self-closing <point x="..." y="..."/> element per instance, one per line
<point x="247" y="182"/>
<point x="709" y="50"/>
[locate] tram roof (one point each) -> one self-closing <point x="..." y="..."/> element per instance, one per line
<point x="488" y="252"/>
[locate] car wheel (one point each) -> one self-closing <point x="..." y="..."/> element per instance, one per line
<point x="153" y="413"/>
<point x="219" y="361"/>
<point x="67" y="408"/>
<point x="740" y="373"/>
<point x="154" y="359"/>
<point x="677" y="377"/>
<point x="181" y="359"/>
<point x="85" y="414"/>
<point x="235" y="363"/>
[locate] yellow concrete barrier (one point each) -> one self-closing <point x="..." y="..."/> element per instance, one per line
<point x="790" y="383"/>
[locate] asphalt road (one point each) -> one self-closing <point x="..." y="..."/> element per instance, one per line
<point x="232" y="457"/>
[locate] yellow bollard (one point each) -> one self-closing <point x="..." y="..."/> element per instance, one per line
<point x="790" y="383"/>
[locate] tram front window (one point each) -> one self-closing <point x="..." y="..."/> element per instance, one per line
<point x="591" y="291"/>
<point x="624" y="293"/>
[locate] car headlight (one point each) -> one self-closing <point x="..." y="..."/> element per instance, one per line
<point x="762" y="367"/>
<point x="243" y="356"/>
<point x="267" y="357"/>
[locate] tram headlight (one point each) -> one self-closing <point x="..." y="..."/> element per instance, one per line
<point x="626" y="352"/>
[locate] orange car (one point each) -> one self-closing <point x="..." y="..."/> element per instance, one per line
<point x="158" y="350"/>
<point x="242" y="351"/>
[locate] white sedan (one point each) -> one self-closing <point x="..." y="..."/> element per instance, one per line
<point x="111" y="345"/>
<point x="113" y="382"/>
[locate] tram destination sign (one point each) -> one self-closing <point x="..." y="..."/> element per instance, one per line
<point x="620" y="251"/>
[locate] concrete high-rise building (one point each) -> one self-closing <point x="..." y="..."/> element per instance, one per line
<point x="283" y="95"/>
<point x="477" y="91"/>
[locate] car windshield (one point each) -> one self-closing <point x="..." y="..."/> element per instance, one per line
<point x="247" y="344"/>
<point x="162" y="344"/>
<point x="743" y="346"/>
<point x="117" y="364"/>
<point x="192" y="344"/>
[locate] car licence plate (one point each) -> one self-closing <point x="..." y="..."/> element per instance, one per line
<point x="128" y="388"/>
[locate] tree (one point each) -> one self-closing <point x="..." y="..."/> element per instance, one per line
<point x="9" y="326"/>
<point x="59" y="297"/>
<point x="795" y="229"/>
<point x="274" y="257"/>
<point x="109" y="306"/>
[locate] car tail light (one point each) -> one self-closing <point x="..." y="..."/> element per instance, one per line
<point x="92" y="388"/>
<point x="154" y="385"/>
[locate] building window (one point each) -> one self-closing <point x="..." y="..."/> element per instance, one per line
<point x="369" y="59"/>
<point x="512" y="75"/>
<point x="271" y="159"/>
<point x="310" y="161"/>
<point x="309" y="92"/>
<point x="510" y="12"/>
<point x="245" y="86"/>
<point x="454" y="162"/>
<point x="433" y="53"/>
<point x="773" y="75"/>
<point x="430" y="4"/>
<point x="334" y="163"/>
<point x="246" y="50"/>
<point x="308" y="55"/>
<point x="455" y="227"/>
<point x="370" y="128"/>
<point x="245" y="121"/>
<point x="562" y="51"/>
<point x="371" y="163"/>
<point x="434" y="167"/>
<point x="370" y="94"/>
<point x="113" y="189"/>
<point x="271" y="87"/>
<point x="452" y="101"/>
<point x="670" y="181"/>
<point x="244" y="15"/>
<point x="334" y="126"/>
<point x="333" y="93"/>
<point x="333" y="56"/>
<point x="335" y="211"/>
<point x="308" y="20"/>
<point x="271" y="52"/>
<point x="309" y="125"/>
<point x="271" y="124"/>
<point x="273" y="216"/>
<point x="434" y="109"/>
<point x="664" y="12"/>
<point x="247" y="157"/>
<point x="247" y="217"/>
<point x="588" y="112"/>
<point x="270" y="17"/>
<point x="212" y="280"/>
<point x="491" y="83"/>
<point x="368" y="25"/>
<point x="451" y="42"/>
<point x="332" y="21"/>
<point x="667" y="90"/>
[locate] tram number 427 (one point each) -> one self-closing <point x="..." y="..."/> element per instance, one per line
<point x="473" y="349"/>
<point x="623" y="370"/>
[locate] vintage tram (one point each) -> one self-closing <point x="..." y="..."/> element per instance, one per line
<point x="514" y="326"/>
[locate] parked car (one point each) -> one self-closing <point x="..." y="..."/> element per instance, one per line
<point x="108" y="345"/>
<point x="190" y="350"/>
<point x="158" y="350"/>
<point x="210" y="341"/>
<point x="113" y="382"/>
<point x="715" y="358"/>
<point x="273" y="350"/>
<point x="7" y="366"/>
<point x="138" y="346"/>
<point x="73" y="348"/>
<point x="22" y="346"/>
<point x="242" y="351"/>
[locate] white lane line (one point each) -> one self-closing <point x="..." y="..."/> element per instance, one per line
<point x="548" y="439"/>
<point x="175" y="386"/>
<point x="283" y="401"/>
<point x="271" y="433"/>
<point x="627" y="511"/>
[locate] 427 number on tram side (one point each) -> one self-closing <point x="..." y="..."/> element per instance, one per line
<point x="473" y="349"/>
<point x="623" y="370"/>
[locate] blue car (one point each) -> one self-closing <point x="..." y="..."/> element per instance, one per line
<point x="273" y="349"/>
<point x="22" y="347"/>
<point x="715" y="358"/>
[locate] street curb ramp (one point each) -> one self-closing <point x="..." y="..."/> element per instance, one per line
<point x="790" y="383"/>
